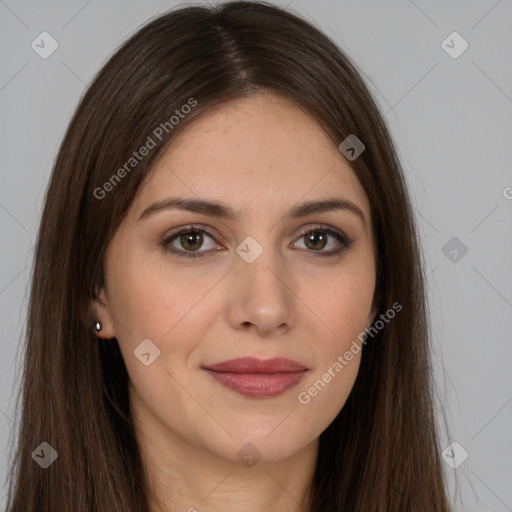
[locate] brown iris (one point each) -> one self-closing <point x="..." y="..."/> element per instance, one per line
<point x="315" y="237"/>
<point x="191" y="240"/>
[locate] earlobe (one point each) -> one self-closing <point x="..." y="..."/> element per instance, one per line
<point x="102" y="324"/>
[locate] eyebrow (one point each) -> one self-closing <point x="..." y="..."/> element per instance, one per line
<point x="224" y="211"/>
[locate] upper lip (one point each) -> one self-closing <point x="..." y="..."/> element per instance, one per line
<point x="255" y="365"/>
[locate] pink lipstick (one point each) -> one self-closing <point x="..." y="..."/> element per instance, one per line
<point x="259" y="378"/>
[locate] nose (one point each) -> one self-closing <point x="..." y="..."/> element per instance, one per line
<point x="261" y="295"/>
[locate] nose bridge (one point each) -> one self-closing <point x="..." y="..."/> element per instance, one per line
<point x="260" y="266"/>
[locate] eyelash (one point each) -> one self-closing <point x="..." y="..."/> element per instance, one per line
<point x="340" y="237"/>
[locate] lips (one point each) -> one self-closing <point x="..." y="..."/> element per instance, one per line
<point x="257" y="378"/>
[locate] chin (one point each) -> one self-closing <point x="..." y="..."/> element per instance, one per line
<point x="253" y="446"/>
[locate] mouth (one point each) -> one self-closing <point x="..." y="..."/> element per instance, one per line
<point x="258" y="378"/>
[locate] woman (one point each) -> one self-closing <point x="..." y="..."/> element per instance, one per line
<point x="227" y="307"/>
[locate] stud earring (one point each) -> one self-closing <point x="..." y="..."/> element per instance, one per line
<point x="97" y="326"/>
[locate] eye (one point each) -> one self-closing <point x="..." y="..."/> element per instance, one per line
<point x="187" y="241"/>
<point x="317" y="239"/>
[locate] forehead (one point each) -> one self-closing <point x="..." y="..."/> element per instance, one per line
<point x="257" y="150"/>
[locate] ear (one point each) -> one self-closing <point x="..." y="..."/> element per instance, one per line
<point x="100" y="310"/>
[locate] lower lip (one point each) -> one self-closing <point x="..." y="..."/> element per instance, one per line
<point x="259" y="385"/>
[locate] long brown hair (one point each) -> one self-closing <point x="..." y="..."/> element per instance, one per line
<point x="381" y="452"/>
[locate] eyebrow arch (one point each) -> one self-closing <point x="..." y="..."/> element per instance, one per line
<point x="223" y="211"/>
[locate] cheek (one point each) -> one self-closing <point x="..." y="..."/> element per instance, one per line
<point x="167" y="306"/>
<point x="344" y="307"/>
<point x="354" y="301"/>
<point x="142" y="303"/>
<point x="149" y="297"/>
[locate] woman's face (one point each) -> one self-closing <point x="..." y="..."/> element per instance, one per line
<point x="260" y="285"/>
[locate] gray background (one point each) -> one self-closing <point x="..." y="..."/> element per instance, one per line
<point x="450" y="118"/>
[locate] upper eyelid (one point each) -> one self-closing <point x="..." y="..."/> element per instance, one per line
<point x="191" y="227"/>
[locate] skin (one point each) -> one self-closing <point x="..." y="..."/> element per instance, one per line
<point x="261" y="155"/>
